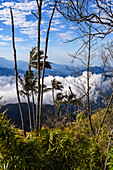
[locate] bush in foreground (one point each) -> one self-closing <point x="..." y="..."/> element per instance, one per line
<point x="70" y="148"/>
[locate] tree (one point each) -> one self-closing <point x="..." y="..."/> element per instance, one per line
<point x="39" y="5"/>
<point x="97" y="15"/>
<point x="33" y="60"/>
<point x="56" y="85"/>
<point x="16" y="74"/>
<point x="106" y="56"/>
<point x="100" y="14"/>
<point x="84" y="55"/>
<point x="69" y="99"/>
<point x="28" y="87"/>
<point x="40" y="90"/>
<point x="107" y="59"/>
<point x="33" y="64"/>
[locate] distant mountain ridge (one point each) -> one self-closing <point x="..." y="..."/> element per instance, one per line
<point x="7" y="69"/>
<point x="57" y="69"/>
<point x="4" y="63"/>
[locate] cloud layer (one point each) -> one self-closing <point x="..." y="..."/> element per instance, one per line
<point x="78" y="86"/>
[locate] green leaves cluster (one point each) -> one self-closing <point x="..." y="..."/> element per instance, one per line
<point x="33" y="59"/>
<point x="69" y="148"/>
<point x="111" y="159"/>
<point x="28" y="83"/>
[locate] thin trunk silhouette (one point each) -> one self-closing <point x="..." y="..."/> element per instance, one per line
<point x="16" y="74"/>
<point x="39" y="5"/>
<point x="33" y="102"/>
<point x="40" y="94"/>
<point x="88" y="87"/>
<point x="34" y="114"/>
<point x="30" y="118"/>
<point x="106" y="111"/>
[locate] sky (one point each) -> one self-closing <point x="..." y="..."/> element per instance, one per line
<point x="26" y="32"/>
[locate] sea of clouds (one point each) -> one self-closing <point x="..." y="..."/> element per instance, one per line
<point x="78" y="86"/>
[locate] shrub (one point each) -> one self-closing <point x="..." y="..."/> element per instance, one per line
<point x="70" y="148"/>
<point x="111" y="159"/>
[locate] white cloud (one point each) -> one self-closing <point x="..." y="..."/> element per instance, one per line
<point x="44" y="4"/>
<point x="5" y="38"/>
<point x="62" y="26"/>
<point x="17" y="39"/>
<point x="78" y="86"/>
<point x="4" y="14"/>
<point x="57" y="14"/>
<point x="31" y="32"/>
<point x="66" y="35"/>
<point x="8" y="38"/>
<point x="20" y="13"/>
<point x="4" y="80"/>
<point x="26" y="6"/>
<point x="3" y="43"/>
<point x="55" y="29"/>
<point x="73" y="28"/>
<point x="7" y="4"/>
<point x="56" y="22"/>
<point x="42" y="39"/>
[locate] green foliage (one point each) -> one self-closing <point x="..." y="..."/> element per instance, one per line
<point x="28" y="83"/>
<point x="33" y="59"/>
<point x="69" y="148"/>
<point x="7" y="143"/>
<point x="111" y="159"/>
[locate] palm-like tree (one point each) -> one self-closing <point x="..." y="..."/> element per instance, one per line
<point x="33" y="93"/>
<point x="68" y="99"/>
<point x="33" y="63"/>
<point x="33" y="59"/>
<point x="56" y="85"/>
<point x="28" y="87"/>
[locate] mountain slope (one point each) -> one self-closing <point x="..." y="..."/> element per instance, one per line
<point x="4" y="63"/>
<point x="7" y="68"/>
<point x="9" y="71"/>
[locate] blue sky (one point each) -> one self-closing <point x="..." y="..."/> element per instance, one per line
<point x="26" y="32"/>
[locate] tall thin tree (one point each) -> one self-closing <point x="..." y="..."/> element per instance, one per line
<point x="40" y="90"/>
<point x="27" y="87"/>
<point x="16" y="74"/>
<point x="44" y="62"/>
<point x="39" y="5"/>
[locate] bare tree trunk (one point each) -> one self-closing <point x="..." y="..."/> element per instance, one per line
<point x="30" y="119"/>
<point x="53" y="94"/>
<point x="16" y="75"/>
<point x="43" y="71"/>
<point x="33" y="102"/>
<point x="68" y="113"/>
<point x="88" y="87"/>
<point x="34" y="114"/>
<point x="39" y="4"/>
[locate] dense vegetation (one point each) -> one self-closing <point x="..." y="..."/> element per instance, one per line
<point x="83" y="144"/>
<point x="70" y="148"/>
